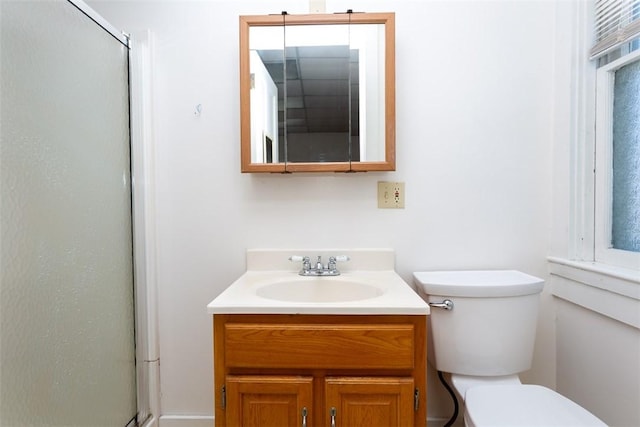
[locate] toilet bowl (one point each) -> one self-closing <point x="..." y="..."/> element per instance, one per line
<point x="482" y="331"/>
<point x="523" y="405"/>
<point x="505" y="401"/>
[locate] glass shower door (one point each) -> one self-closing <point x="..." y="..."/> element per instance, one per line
<point x="67" y="313"/>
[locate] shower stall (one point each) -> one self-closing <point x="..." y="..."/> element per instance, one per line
<point x="67" y="331"/>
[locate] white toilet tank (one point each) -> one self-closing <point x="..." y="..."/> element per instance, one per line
<point x="491" y="329"/>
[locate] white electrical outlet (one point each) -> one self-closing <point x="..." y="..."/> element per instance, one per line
<point x="390" y="195"/>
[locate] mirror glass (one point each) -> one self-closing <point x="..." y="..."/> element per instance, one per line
<point x="317" y="93"/>
<point x="317" y="108"/>
<point x="266" y="57"/>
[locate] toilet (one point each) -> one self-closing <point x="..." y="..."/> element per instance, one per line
<point x="482" y="331"/>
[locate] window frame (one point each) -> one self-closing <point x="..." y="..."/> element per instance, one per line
<point x="603" y="175"/>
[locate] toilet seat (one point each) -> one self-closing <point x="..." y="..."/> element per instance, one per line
<point x="523" y="405"/>
<point x="462" y="383"/>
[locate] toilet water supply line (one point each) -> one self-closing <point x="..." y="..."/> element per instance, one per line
<point x="447" y="305"/>
<point x="453" y="396"/>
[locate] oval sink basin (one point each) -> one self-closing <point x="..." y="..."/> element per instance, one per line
<point x="318" y="290"/>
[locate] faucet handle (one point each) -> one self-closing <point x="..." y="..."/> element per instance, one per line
<point x="306" y="264"/>
<point x="334" y="259"/>
<point x="299" y="258"/>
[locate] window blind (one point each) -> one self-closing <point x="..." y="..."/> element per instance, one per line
<point x="616" y="22"/>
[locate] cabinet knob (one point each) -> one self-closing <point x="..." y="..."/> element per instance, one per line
<point x="332" y="412"/>
<point x="304" y="417"/>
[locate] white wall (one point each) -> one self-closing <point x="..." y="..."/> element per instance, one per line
<point x="598" y="361"/>
<point x="474" y="133"/>
<point x="597" y="310"/>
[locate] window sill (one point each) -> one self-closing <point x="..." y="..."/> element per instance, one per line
<point x="608" y="290"/>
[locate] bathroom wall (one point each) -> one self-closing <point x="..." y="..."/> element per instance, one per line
<point x="475" y="104"/>
<point x="597" y="358"/>
<point x="597" y="308"/>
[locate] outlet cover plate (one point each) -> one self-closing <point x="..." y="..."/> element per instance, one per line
<point x="390" y="195"/>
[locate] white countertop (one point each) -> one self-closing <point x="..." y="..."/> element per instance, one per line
<point x="374" y="267"/>
<point x="397" y="298"/>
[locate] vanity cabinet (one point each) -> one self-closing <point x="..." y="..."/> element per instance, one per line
<point x="285" y="370"/>
<point x="371" y="401"/>
<point x="277" y="400"/>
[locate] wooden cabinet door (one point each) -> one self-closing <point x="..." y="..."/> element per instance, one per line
<point x="268" y="401"/>
<point x="370" y="401"/>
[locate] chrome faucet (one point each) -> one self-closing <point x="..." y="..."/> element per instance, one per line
<point x="319" y="270"/>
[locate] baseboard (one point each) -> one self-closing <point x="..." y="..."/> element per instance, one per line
<point x="204" y="421"/>
<point x="150" y="422"/>
<point x="185" y="421"/>
<point x="436" y="422"/>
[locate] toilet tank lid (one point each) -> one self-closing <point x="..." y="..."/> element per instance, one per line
<point x="477" y="283"/>
<point x="524" y="405"/>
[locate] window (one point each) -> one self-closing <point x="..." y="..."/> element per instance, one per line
<point x="625" y="158"/>
<point x="617" y="140"/>
<point x="617" y="158"/>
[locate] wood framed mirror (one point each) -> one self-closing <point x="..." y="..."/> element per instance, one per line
<point x="317" y="92"/>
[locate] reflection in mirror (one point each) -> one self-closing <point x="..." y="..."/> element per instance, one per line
<point x="266" y="50"/>
<point x="321" y="95"/>
<point x="318" y="116"/>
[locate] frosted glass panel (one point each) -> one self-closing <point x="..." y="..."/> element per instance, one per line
<point x="66" y="339"/>
<point x="626" y="159"/>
